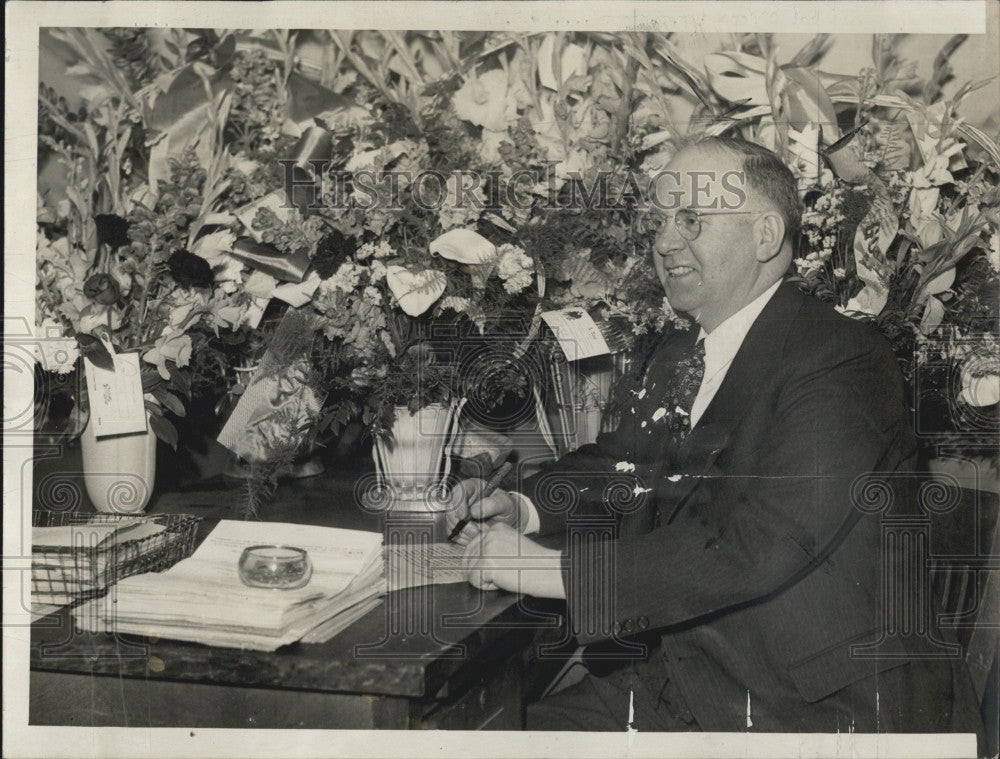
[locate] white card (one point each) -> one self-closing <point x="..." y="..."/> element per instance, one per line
<point x="577" y="333"/>
<point x="116" y="406"/>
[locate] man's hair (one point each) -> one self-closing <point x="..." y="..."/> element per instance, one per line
<point x="767" y="174"/>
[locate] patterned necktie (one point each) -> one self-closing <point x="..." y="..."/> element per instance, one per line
<point x="687" y="381"/>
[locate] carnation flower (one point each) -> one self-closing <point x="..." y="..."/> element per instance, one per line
<point x="515" y="268"/>
<point x="346" y="278"/>
<point x="381" y="249"/>
<point x="456" y="303"/>
<point x="260" y="284"/>
<point x="112" y="230"/>
<point x="333" y="249"/>
<point x="518" y="283"/>
<point x="377" y="271"/>
<point x="372" y="296"/>
<point x="189" y="270"/>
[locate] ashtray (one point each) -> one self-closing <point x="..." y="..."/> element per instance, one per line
<point x="280" y="567"/>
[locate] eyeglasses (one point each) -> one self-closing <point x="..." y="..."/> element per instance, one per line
<point x="687" y="221"/>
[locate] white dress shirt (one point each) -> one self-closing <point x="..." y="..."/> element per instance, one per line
<point x="721" y="347"/>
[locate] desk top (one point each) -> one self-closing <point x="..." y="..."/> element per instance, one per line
<point x="409" y="645"/>
<point x="365" y="658"/>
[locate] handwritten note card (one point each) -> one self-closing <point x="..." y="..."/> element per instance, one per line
<point x="116" y="406"/>
<point x="578" y="335"/>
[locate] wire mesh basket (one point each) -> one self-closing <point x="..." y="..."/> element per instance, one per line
<point x="98" y="558"/>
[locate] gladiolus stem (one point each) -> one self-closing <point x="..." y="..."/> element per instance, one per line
<point x="145" y="289"/>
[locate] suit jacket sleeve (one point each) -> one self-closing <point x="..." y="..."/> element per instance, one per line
<point x="770" y="511"/>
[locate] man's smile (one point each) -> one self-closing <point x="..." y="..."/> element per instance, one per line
<point x="674" y="272"/>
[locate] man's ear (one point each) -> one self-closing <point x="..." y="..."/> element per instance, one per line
<point x="769" y="233"/>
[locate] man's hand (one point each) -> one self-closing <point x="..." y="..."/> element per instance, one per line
<point x="465" y="500"/>
<point x="500" y="558"/>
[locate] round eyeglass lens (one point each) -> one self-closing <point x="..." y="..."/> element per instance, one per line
<point x="688" y="223"/>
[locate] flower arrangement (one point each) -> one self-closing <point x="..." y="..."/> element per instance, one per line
<point x="114" y="259"/>
<point x="417" y="193"/>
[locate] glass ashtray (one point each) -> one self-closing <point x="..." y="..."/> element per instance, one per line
<point x="280" y="567"/>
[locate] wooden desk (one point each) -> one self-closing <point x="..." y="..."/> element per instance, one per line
<point x="458" y="660"/>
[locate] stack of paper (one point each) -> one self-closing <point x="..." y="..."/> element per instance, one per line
<point x="70" y="535"/>
<point x="202" y="598"/>
<point x="69" y="561"/>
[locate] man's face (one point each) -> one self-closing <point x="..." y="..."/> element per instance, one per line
<point x="712" y="276"/>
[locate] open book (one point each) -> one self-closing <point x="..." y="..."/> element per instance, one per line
<point x="202" y="598"/>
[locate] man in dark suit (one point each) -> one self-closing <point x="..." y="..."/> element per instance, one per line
<point x="757" y="576"/>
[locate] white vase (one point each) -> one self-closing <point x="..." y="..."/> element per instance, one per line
<point x="412" y="462"/>
<point x="119" y="470"/>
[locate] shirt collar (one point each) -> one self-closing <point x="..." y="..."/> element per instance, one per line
<point x="722" y="343"/>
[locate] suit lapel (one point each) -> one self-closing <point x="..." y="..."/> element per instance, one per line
<point x="753" y="364"/>
<point x="756" y="359"/>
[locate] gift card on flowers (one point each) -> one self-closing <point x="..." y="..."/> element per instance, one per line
<point x="578" y="335"/>
<point x="116" y="406"/>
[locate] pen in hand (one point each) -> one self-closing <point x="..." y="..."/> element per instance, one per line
<point x="488" y="488"/>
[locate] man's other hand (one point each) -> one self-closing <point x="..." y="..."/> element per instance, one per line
<point x="501" y="558"/>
